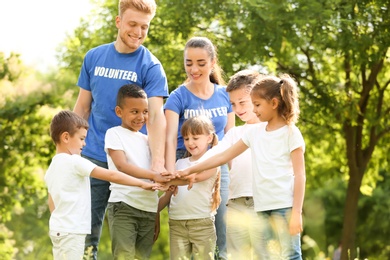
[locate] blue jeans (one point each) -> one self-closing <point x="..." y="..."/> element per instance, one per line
<point x="180" y="154"/>
<point x="220" y="217"/>
<point x="100" y="193"/>
<point x="277" y="242"/>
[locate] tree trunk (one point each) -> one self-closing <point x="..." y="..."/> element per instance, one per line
<point x="350" y="215"/>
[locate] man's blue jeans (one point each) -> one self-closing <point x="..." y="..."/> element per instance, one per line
<point x="100" y="193"/>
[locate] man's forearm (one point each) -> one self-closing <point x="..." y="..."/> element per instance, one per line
<point x="156" y="137"/>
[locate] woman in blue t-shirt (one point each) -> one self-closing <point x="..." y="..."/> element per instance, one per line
<point x="203" y="93"/>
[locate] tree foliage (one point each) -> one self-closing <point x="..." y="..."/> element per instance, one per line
<point x="10" y="67"/>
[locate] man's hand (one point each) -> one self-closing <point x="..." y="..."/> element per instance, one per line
<point x="158" y="167"/>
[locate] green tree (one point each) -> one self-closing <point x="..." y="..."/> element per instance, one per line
<point x="11" y="67"/>
<point x="338" y="53"/>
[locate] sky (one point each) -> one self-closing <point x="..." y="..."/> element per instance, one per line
<point x="34" y="28"/>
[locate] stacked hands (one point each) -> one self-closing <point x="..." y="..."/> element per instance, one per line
<point x="168" y="181"/>
<point x="165" y="181"/>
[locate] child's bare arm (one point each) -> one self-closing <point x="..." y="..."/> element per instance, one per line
<point x="121" y="178"/>
<point x="216" y="160"/>
<point x="298" y="162"/>
<point x="176" y="182"/>
<point x="190" y="179"/>
<point x="164" y="200"/>
<point x="120" y="161"/>
<point x="51" y="203"/>
<point x="205" y="175"/>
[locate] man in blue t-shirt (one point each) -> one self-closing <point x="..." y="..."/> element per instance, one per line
<point x="105" y="69"/>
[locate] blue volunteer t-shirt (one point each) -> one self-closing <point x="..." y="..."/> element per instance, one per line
<point x="103" y="72"/>
<point x="187" y="105"/>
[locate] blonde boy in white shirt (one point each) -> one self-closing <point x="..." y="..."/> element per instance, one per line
<point x="243" y="227"/>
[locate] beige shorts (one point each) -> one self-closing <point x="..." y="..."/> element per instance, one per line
<point x="192" y="239"/>
<point x="67" y="245"/>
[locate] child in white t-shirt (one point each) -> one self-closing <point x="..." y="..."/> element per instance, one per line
<point x="192" y="233"/>
<point x="67" y="180"/>
<point x="131" y="211"/>
<point x="243" y="230"/>
<point x="278" y="165"/>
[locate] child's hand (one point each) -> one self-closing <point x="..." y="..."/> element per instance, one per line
<point x="168" y="175"/>
<point x="162" y="177"/>
<point x="295" y="223"/>
<point x="190" y="179"/>
<point x="150" y="186"/>
<point x="164" y="186"/>
<point x="182" y="173"/>
<point x="174" y="189"/>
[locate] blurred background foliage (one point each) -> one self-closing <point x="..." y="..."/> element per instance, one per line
<point x="338" y="51"/>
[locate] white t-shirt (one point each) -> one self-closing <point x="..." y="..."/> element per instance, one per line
<point x="194" y="203"/>
<point x="135" y="146"/>
<point x="241" y="175"/>
<point x="67" y="180"/>
<point x="272" y="167"/>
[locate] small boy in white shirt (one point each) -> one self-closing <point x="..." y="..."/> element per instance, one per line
<point x="67" y="180"/>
